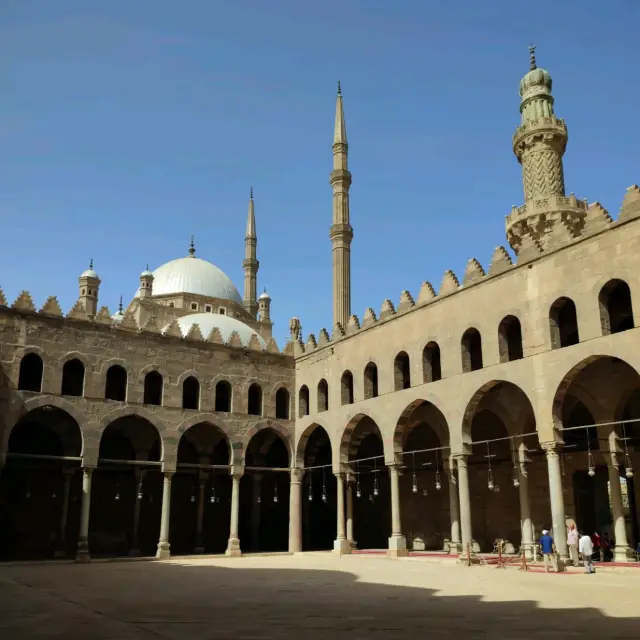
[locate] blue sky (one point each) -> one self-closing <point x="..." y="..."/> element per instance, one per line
<point x="126" y="126"/>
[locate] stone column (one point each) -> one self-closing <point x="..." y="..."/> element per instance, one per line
<point x="397" y="542"/>
<point x="621" y="551"/>
<point x="340" y="545"/>
<point x="465" y="503"/>
<point x="350" y="539"/>
<point x="256" y="508"/>
<point x="164" y="546"/>
<point x="200" y="516"/>
<point x="233" y="546"/>
<point x="558" y="518"/>
<point x="82" y="554"/>
<point x="455" y="546"/>
<point x="61" y="551"/>
<point x="135" y="547"/>
<point x="295" y="511"/>
<point x="526" y="526"/>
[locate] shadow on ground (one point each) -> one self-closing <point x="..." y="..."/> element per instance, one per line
<point x="119" y="601"/>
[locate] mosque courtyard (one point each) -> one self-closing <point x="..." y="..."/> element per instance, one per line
<point x="310" y="596"/>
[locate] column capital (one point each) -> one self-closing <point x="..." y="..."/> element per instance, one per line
<point x="89" y="469"/>
<point x="296" y="475"/>
<point x="552" y="449"/>
<point x="168" y="474"/>
<point x="461" y="459"/>
<point x="341" y="475"/>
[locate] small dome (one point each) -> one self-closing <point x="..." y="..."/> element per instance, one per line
<point x="89" y="273"/>
<point x="146" y="273"/>
<point x="225" y="324"/>
<point x="117" y="317"/>
<point x="264" y="296"/>
<point x="536" y="78"/>
<point x="193" y="275"/>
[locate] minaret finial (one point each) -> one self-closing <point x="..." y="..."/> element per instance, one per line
<point x="91" y="263"/>
<point x="251" y="193"/>
<point x="120" y="305"/>
<point x="532" y="57"/>
<point x="192" y="248"/>
<point x="147" y="266"/>
<point x="339" y="88"/>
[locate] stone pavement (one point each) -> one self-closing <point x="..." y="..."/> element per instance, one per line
<point x="309" y="596"/>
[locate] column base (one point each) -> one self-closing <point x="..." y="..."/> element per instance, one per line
<point x="528" y="549"/>
<point x="622" y="554"/>
<point x="341" y="547"/>
<point x="353" y="545"/>
<point x="233" y="548"/>
<point x="455" y="548"/>
<point x="164" y="550"/>
<point x="82" y="553"/>
<point x="397" y="547"/>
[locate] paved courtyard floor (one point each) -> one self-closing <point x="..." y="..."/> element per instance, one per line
<point x="311" y="596"/>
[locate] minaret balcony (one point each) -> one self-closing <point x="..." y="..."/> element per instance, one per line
<point x="550" y="127"/>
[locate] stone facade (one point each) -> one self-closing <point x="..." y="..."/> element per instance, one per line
<point x="502" y="404"/>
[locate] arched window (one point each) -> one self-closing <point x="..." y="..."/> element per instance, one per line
<point x="510" y="339"/>
<point x="282" y="403"/>
<point x="431" y="368"/>
<point x="31" y="372"/>
<point x="323" y="395"/>
<point x="563" y="323"/>
<point x="616" y="312"/>
<point x="153" y="384"/>
<point x="115" y="387"/>
<point x="471" y="350"/>
<point x="346" y="388"/>
<point x="254" y="404"/>
<point x="223" y="396"/>
<point x="303" y="401"/>
<point x="191" y="393"/>
<point x="72" y="378"/>
<point x="370" y="381"/>
<point x="401" y="371"/>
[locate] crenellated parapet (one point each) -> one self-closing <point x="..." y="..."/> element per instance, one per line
<point x="127" y="323"/>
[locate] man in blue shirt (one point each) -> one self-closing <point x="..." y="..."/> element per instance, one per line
<point x="548" y="551"/>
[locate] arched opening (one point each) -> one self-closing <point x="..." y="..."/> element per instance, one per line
<point x="31" y="372"/>
<point x="254" y="400"/>
<point x="191" y="393"/>
<point x="303" y="401"/>
<point x="471" y="346"/>
<point x="431" y="368"/>
<point x="319" y="509"/>
<point x="401" y="372"/>
<point x="73" y="378"/>
<point x="40" y="487"/>
<point x="153" y="388"/>
<point x="126" y="492"/>
<point x="370" y="381"/>
<point x="223" y="396"/>
<point x="563" y="323"/>
<point x="201" y="492"/>
<point x="421" y="439"/>
<point x="498" y="422"/>
<point x="282" y="403"/>
<point x="363" y="450"/>
<point x="323" y="395"/>
<point x="116" y="383"/>
<point x="510" y="339"/>
<point x="599" y="381"/>
<point x="616" y="311"/>
<point x="346" y="388"/>
<point x="264" y="494"/>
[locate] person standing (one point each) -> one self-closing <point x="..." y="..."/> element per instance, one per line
<point x="572" y="542"/>
<point x="586" y="551"/>
<point x="548" y="552"/>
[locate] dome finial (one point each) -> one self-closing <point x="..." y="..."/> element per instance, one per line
<point x="91" y="263"/>
<point x="147" y="266"/>
<point x="120" y="305"/>
<point x="250" y="193"/>
<point x="532" y="57"/>
<point x="192" y="248"/>
<point x="339" y="88"/>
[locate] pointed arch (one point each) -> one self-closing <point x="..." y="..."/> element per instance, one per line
<point x="323" y="396"/>
<point x="471" y="348"/>
<point x="346" y="388"/>
<point x="616" y="309"/>
<point x="31" y="372"/>
<point x="402" y="371"/>
<point x="73" y="378"/>
<point x="371" y="381"/>
<point x="510" y="339"/>
<point x="563" y="323"/>
<point x="431" y="365"/>
<point x="303" y="401"/>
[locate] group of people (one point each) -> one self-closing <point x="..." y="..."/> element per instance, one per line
<point x="579" y="546"/>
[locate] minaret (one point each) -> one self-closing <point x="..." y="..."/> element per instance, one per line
<point x="264" y="307"/>
<point x="146" y="283"/>
<point x="341" y="232"/>
<point x="548" y="216"/>
<point x="89" y="285"/>
<point x="250" y="263"/>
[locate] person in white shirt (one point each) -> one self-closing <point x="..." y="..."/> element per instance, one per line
<point x="572" y="543"/>
<point x="586" y="551"/>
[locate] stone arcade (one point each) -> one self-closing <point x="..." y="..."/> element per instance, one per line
<point x="178" y="426"/>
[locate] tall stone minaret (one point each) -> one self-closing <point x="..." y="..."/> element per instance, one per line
<point x="341" y="232"/>
<point x="539" y="143"/>
<point x="250" y="263"/>
<point x="89" y="288"/>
